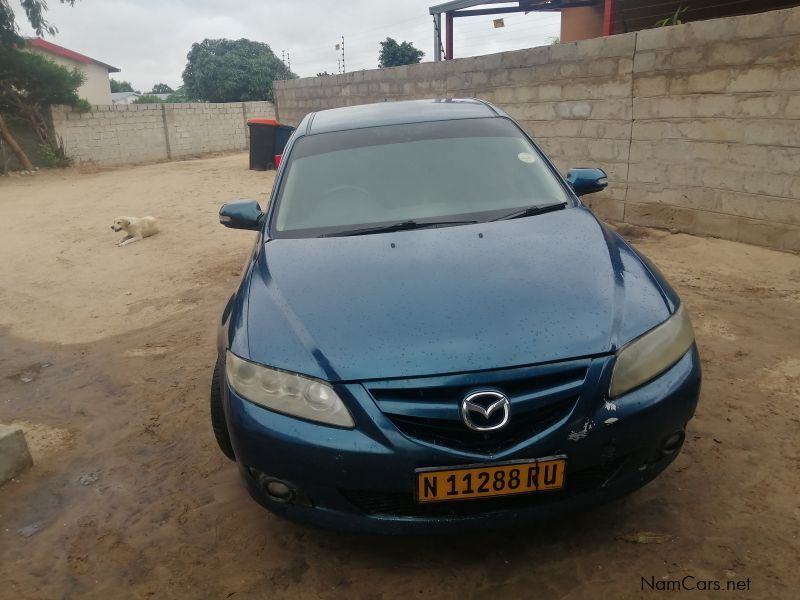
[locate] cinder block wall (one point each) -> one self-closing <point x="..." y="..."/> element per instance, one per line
<point x="716" y="129"/>
<point x="135" y="133"/>
<point x="698" y="126"/>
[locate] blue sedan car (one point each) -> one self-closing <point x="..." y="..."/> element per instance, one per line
<point x="434" y="333"/>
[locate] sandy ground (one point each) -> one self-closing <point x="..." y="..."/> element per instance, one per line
<point x="105" y="359"/>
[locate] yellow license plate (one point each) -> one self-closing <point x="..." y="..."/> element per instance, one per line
<point x="484" y="481"/>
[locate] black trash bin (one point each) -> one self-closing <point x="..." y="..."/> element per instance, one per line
<point x="282" y="135"/>
<point x="262" y="143"/>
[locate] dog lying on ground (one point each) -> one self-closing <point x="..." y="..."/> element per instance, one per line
<point x="135" y="229"/>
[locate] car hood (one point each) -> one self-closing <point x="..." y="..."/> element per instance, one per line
<point x="491" y="295"/>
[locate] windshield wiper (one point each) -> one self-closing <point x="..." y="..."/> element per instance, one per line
<point x="533" y="210"/>
<point x="402" y="226"/>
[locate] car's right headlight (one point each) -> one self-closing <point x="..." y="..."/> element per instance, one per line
<point x="652" y="353"/>
<point x="286" y="393"/>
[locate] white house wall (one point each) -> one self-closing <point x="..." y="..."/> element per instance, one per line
<point x="97" y="87"/>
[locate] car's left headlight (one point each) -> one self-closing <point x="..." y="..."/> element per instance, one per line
<point x="652" y="353"/>
<point x="286" y="393"/>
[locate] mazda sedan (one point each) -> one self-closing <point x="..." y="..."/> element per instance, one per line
<point x="434" y="333"/>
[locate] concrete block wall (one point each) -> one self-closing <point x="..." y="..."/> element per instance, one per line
<point x="698" y="125"/>
<point x="112" y="135"/>
<point x="716" y="129"/>
<point x="136" y="133"/>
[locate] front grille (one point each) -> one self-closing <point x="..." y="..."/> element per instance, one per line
<point x="405" y="505"/>
<point x="454" y="434"/>
<point x="427" y="409"/>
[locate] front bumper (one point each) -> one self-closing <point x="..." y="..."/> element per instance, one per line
<point x="363" y="479"/>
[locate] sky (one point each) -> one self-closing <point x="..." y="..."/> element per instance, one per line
<point x="149" y="39"/>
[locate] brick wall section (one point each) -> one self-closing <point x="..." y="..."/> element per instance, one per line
<point x="698" y="126"/>
<point x="716" y="130"/>
<point x="136" y="133"/>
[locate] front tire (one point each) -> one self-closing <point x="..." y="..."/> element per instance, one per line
<point x="218" y="423"/>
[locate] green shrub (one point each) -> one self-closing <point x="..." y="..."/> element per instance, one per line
<point x="148" y="99"/>
<point x="674" y="19"/>
<point x="53" y="157"/>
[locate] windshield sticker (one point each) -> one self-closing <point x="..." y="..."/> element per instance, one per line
<point x="526" y="157"/>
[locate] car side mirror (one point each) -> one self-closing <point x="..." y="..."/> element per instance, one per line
<point x="587" y="181"/>
<point x="241" y="214"/>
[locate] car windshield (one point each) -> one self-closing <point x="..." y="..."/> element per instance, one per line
<point x="405" y="176"/>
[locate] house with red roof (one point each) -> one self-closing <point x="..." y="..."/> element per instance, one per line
<point x="97" y="87"/>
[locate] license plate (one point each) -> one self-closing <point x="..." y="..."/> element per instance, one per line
<point x="440" y="484"/>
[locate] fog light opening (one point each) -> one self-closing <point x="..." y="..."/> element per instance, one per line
<point x="277" y="490"/>
<point x="672" y="443"/>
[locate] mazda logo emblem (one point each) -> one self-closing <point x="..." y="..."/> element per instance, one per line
<point x="485" y="411"/>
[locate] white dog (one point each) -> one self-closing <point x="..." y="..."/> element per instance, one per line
<point x="135" y="229"/>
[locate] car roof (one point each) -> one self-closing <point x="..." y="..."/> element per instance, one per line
<point x="396" y="113"/>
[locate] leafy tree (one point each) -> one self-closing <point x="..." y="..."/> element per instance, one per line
<point x="393" y="54"/>
<point x="232" y="71"/>
<point x="161" y="88"/>
<point x="34" y="11"/>
<point x="178" y="95"/>
<point x="120" y="86"/>
<point x="148" y="99"/>
<point x="29" y="85"/>
<point x="323" y="74"/>
<point x="173" y="98"/>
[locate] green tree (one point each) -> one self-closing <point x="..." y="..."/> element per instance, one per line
<point x="34" y="11"/>
<point x="178" y="95"/>
<point x="161" y="88"/>
<point x="393" y="54"/>
<point x="120" y="86"/>
<point x="173" y="98"/>
<point x="232" y="71"/>
<point x="148" y="99"/>
<point x="29" y="85"/>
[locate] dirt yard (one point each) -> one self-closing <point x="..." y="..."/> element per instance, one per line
<point x="105" y="360"/>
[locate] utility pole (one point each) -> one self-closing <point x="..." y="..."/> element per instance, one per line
<point x="340" y="46"/>
<point x="438" y="48"/>
<point x="288" y="62"/>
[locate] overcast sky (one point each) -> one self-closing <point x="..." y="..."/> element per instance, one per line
<point x="149" y="39"/>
